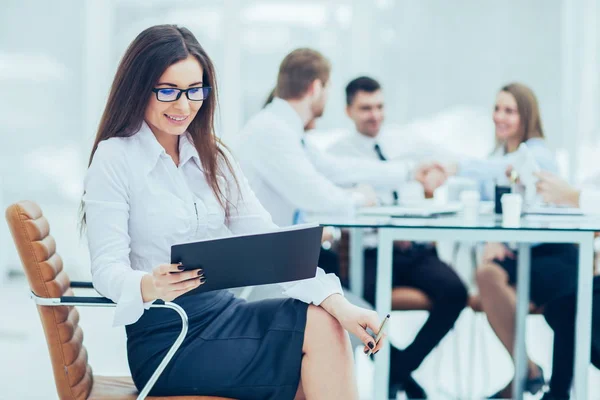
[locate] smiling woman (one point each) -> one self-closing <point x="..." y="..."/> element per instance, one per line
<point x="176" y="60"/>
<point x="159" y="176"/>
<point x="516" y="116"/>
<point x="169" y="113"/>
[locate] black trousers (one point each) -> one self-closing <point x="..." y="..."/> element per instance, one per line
<point x="560" y="315"/>
<point x="553" y="285"/>
<point x="420" y="267"/>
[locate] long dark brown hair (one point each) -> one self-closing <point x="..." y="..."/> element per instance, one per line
<point x="145" y="60"/>
<point x="529" y="111"/>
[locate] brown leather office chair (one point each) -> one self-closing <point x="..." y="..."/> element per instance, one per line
<point x="410" y="299"/>
<point x="52" y="292"/>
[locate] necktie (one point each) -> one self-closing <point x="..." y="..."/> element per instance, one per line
<point x="382" y="158"/>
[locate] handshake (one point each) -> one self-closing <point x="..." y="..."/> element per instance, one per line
<point x="432" y="175"/>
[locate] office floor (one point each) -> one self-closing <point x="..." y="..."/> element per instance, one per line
<point x="469" y="363"/>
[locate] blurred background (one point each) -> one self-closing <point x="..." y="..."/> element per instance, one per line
<point x="440" y="62"/>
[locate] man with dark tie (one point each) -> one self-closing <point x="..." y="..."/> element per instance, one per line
<point x="415" y="264"/>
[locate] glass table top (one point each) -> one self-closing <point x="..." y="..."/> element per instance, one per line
<point x="457" y="221"/>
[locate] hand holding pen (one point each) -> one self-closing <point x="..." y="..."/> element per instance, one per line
<point x="380" y="334"/>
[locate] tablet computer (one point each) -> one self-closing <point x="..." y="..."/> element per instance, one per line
<point x="284" y="255"/>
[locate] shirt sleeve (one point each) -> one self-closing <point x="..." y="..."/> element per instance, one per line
<point x="483" y="169"/>
<point x="348" y="170"/>
<point x="248" y="216"/>
<point x="314" y="290"/>
<point x="589" y="201"/>
<point x="496" y="167"/>
<point x="282" y="163"/>
<point x="486" y="171"/>
<point x="106" y="205"/>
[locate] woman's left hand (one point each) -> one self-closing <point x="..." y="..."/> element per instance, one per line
<point x="355" y="320"/>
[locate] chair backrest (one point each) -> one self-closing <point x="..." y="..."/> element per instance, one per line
<point x="44" y="271"/>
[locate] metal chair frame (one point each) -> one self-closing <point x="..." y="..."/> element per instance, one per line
<point x="97" y="301"/>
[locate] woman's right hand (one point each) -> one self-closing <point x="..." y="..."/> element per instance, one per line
<point x="496" y="251"/>
<point x="169" y="281"/>
<point x="355" y="320"/>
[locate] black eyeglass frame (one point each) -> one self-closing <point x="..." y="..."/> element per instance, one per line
<point x="186" y="91"/>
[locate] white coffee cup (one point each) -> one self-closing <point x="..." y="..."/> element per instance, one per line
<point x="512" y="204"/>
<point x="470" y="202"/>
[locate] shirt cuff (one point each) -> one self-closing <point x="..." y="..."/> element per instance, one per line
<point x="410" y="167"/>
<point x="316" y="289"/>
<point x="130" y="305"/>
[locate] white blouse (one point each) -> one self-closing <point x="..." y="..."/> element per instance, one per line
<point x="492" y="169"/>
<point x="138" y="203"/>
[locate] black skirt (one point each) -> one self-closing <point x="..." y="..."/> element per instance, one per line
<point x="234" y="348"/>
<point x="553" y="271"/>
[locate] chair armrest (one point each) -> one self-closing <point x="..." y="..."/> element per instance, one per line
<point x="73" y="301"/>
<point x="89" y="301"/>
<point x="81" y="285"/>
<point x="85" y="300"/>
<point x="97" y="301"/>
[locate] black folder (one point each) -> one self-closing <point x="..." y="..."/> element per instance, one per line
<point x="258" y="259"/>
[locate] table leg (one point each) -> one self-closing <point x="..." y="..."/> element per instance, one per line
<point x="356" y="264"/>
<point x="520" y="352"/>
<point x="583" y="323"/>
<point x="383" y="305"/>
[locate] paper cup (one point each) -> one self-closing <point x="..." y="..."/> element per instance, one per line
<point x="512" y="204"/>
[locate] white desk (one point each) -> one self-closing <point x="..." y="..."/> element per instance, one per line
<point x="578" y="230"/>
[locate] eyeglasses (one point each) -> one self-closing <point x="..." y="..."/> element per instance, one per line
<point x="172" y="94"/>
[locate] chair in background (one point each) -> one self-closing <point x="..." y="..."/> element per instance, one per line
<point x="403" y="298"/>
<point x="52" y="292"/>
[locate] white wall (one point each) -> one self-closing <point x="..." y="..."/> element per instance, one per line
<point x="440" y="62"/>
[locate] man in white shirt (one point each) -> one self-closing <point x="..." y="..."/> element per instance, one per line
<point x="287" y="175"/>
<point x="415" y="265"/>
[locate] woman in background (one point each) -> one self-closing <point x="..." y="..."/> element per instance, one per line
<point x="517" y="120"/>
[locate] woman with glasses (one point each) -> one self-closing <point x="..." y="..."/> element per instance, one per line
<point x="158" y="175"/>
